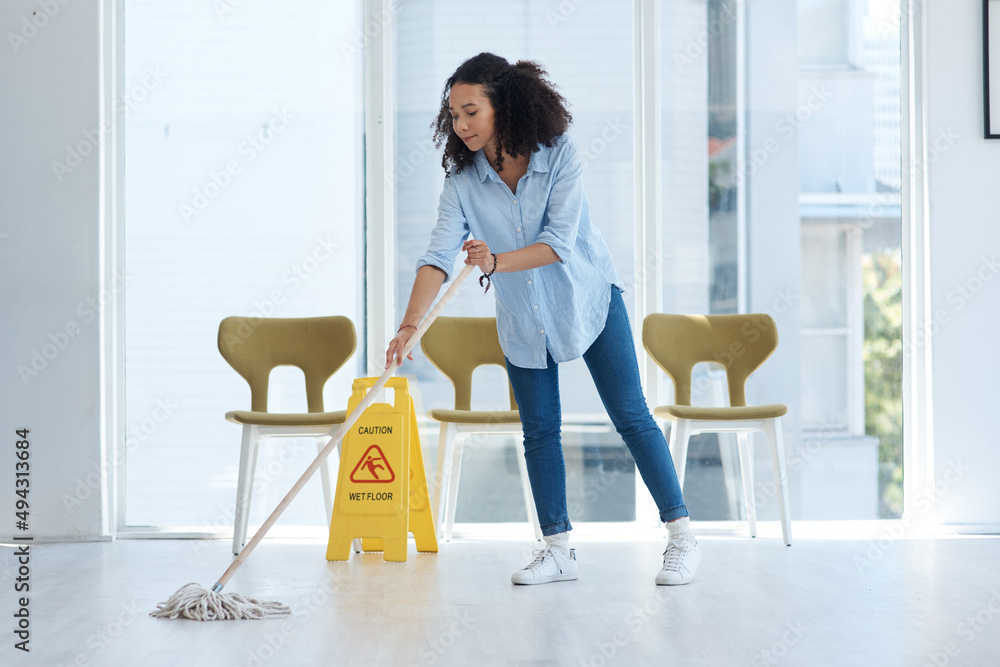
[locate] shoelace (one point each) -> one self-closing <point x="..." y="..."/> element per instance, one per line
<point x="541" y="555"/>
<point x="674" y="554"/>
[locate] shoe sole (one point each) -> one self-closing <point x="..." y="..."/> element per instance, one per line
<point x="680" y="582"/>
<point x="547" y="580"/>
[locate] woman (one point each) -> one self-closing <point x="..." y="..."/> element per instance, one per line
<point x="514" y="183"/>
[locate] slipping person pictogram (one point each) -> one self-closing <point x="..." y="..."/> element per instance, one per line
<point x="367" y="469"/>
<point x="372" y="466"/>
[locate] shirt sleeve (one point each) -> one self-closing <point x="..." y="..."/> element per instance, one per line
<point x="449" y="233"/>
<point x="565" y="203"/>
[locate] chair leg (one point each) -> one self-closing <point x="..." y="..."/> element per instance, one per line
<point x="529" y="499"/>
<point x="456" y="469"/>
<point x="440" y="476"/>
<point x="746" y="469"/>
<point x="772" y="429"/>
<point x="728" y="457"/>
<point x="244" y="485"/>
<point x="680" y="433"/>
<point x="324" y="473"/>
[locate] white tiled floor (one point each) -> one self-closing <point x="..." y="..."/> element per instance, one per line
<point x="754" y="602"/>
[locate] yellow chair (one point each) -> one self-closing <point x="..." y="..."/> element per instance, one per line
<point x="739" y="343"/>
<point x="457" y="346"/>
<point x="254" y="347"/>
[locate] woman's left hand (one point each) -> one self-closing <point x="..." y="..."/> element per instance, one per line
<point x="478" y="255"/>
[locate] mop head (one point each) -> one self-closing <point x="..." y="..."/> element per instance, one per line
<point x="195" y="603"/>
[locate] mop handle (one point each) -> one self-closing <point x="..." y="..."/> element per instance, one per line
<point x="342" y="431"/>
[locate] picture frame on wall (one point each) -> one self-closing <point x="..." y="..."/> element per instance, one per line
<point x="991" y="68"/>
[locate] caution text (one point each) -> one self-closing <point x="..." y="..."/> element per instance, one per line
<point x="375" y="430"/>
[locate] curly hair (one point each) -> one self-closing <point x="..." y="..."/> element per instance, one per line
<point x="527" y="109"/>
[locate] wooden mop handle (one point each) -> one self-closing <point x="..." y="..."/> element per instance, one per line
<point x="341" y="432"/>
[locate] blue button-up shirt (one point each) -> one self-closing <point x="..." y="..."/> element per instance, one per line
<point x="560" y="307"/>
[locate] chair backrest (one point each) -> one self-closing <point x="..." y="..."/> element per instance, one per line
<point x="254" y="346"/>
<point x="739" y="343"/>
<point x="457" y="346"/>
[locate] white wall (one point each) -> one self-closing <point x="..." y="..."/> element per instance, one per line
<point x="965" y="240"/>
<point x="49" y="264"/>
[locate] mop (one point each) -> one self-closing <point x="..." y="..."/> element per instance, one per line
<point x="194" y="602"/>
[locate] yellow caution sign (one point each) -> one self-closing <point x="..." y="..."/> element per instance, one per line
<point x="381" y="492"/>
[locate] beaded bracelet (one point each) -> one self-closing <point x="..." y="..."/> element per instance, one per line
<point x="486" y="276"/>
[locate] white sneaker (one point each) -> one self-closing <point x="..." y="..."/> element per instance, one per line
<point x="680" y="561"/>
<point x="549" y="565"/>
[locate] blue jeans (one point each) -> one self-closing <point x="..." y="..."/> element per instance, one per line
<point x="615" y="370"/>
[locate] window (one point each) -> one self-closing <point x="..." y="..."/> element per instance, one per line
<point x="851" y="280"/>
<point x="843" y="430"/>
<point x="587" y="51"/>
<point x="824" y="32"/>
<point x="839" y="115"/>
<point x="816" y="140"/>
<point x="242" y="198"/>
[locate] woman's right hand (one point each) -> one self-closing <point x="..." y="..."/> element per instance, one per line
<point x="396" y="345"/>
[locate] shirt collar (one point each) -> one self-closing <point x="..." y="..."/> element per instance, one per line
<point x="537" y="162"/>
